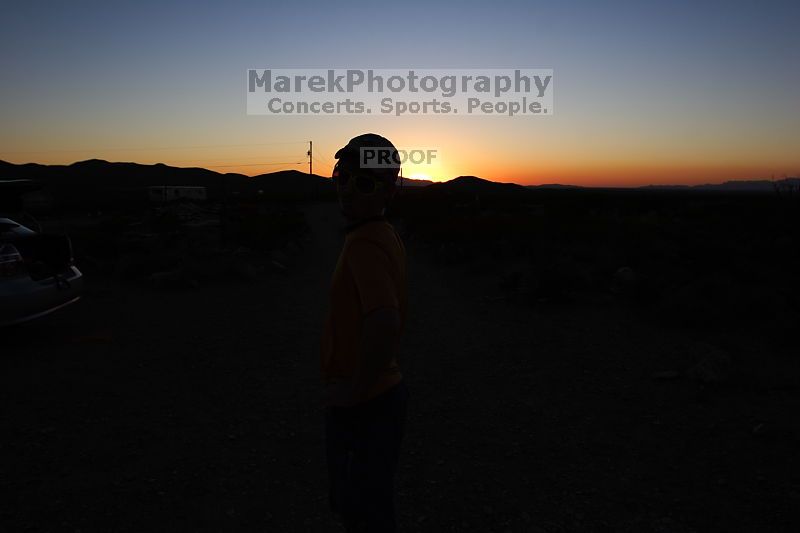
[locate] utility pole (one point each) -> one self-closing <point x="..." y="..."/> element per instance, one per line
<point x="310" y="154"/>
<point x="311" y="168"/>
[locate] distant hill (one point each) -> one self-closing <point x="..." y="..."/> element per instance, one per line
<point x="732" y="186"/>
<point x="471" y="185"/>
<point x="100" y="172"/>
<point x="285" y="183"/>
<point x="554" y="186"/>
<point x="410" y="182"/>
<point x="103" y="173"/>
<point x="97" y="182"/>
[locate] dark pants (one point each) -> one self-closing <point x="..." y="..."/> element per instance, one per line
<point x="363" y="447"/>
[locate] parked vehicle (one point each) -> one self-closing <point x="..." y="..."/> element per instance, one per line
<point x="37" y="273"/>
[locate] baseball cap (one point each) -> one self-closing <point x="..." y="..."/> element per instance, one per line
<point x="349" y="154"/>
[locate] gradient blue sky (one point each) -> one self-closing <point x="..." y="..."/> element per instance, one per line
<point x="645" y="92"/>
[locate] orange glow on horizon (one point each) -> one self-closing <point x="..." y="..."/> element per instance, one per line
<point x="555" y="164"/>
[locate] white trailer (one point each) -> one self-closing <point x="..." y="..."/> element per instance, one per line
<point x="168" y="193"/>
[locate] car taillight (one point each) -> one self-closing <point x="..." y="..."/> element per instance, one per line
<point x="11" y="262"/>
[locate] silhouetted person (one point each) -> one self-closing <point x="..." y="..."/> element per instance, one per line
<point x="365" y="395"/>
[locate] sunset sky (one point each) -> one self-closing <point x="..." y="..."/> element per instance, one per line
<point x="645" y="92"/>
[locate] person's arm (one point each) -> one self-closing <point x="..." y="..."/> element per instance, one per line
<point x="378" y="343"/>
<point x="380" y="332"/>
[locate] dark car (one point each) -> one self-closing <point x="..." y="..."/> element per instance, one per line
<point x="37" y="273"/>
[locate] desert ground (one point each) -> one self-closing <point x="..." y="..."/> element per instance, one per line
<point x="199" y="409"/>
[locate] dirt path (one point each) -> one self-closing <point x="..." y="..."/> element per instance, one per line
<point x="199" y="410"/>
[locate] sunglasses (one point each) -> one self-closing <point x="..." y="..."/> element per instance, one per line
<point x="365" y="183"/>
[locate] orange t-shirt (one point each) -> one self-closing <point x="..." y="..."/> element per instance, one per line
<point x="370" y="274"/>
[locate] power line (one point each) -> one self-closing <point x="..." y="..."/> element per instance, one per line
<point x="324" y="165"/>
<point x="199" y="146"/>
<point x="198" y="161"/>
<point x="259" y="164"/>
<point x="170" y="161"/>
<point x="327" y="157"/>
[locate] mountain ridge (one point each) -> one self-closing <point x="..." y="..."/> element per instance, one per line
<point x="133" y="174"/>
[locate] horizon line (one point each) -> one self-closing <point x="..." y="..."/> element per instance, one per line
<point x="432" y="181"/>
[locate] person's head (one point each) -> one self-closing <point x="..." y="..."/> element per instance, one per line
<point x="366" y="184"/>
